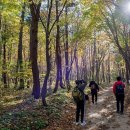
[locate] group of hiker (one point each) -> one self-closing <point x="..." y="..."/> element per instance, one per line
<point x="80" y="97"/>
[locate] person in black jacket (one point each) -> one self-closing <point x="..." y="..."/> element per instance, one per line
<point x="94" y="90"/>
<point x="81" y="104"/>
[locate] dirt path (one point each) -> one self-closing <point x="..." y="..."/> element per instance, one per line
<point x="100" y="116"/>
<point x="103" y="116"/>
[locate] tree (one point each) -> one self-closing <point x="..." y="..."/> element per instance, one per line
<point x="118" y="31"/>
<point x="48" y="29"/>
<point x="19" y="68"/>
<point x="35" y="13"/>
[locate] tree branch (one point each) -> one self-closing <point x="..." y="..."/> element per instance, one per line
<point x="58" y="16"/>
<point x="35" y="9"/>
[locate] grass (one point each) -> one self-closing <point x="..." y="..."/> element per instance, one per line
<point x="17" y="115"/>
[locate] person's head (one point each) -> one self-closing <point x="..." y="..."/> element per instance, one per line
<point x="82" y="81"/>
<point x="118" y="78"/>
<point x="77" y="82"/>
<point x="92" y="82"/>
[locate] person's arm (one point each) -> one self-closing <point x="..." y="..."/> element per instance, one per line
<point x="86" y="97"/>
<point x="114" y="88"/>
<point x="82" y="86"/>
<point x="97" y="87"/>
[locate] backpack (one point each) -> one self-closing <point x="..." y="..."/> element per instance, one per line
<point x="77" y="94"/>
<point x="93" y="86"/>
<point x="119" y="89"/>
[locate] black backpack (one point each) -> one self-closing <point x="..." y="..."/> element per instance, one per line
<point x="120" y="89"/>
<point x="93" y="87"/>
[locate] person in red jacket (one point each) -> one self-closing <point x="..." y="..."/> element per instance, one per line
<point x="118" y="90"/>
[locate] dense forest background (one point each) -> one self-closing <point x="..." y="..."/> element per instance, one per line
<point x="48" y="44"/>
<point x="45" y="45"/>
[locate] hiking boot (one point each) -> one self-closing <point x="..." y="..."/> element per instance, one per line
<point x="117" y="111"/>
<point x="83" y="124"/>
<point x="121" y="113"/>
<point x="76" y="123"/>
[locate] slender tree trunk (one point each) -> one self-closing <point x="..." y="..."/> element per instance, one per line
<point x="76" y="63"/>
<point x="48" y="56"/>
<point x="20" y="48"/>
<point x="35" y="12"/>
<point x="0" y="41"/>
<point x="90" y="66"/>
<point x="127" y="72"/>
<point x="66" y="51"/>
<point x="71" y="63"/>
<point x="97" y="71"/>
<point x="4" y="74"/>
<point x="103" y="72"/>
<point x="109" y="76"/>
<point x="44" y="88"/>
<point x="58" y="53"/>
<point x="94" y="56"/>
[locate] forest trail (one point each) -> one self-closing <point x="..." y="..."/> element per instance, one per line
<point x="100" y="116"/>
<point x="61" y="116"/>
<point x="103" y="115"/>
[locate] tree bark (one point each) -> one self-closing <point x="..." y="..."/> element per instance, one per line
<point x="58" y="53"/>
<point x="19" y="68"/>
<point x="48" y="56"/>
<point x="4" y="37"/>
<point x="94" y="57"/>
<point x="66" y="51"/>
<point x="35" y="12"/>
<point x="4" y="75"/>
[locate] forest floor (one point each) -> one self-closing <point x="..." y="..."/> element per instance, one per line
<point x="19" y="112"/>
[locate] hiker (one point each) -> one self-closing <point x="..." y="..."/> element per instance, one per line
<point x="94" y="91"/>
<point x="118" y="90"/>
<point x="80" y="97"/>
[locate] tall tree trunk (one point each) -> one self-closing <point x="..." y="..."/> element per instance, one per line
<point x="4" y="75"/>
<point x="103" y="73"/>
<point x="0" y="41"/>
<point x="44" y="88"/>
<point x="66" y="50"/>
<point x="48" y="56"/>
<point x="4" y="37"/>
<point x="35" y="12"/>
<point x="127" y="72"/>
<point x="97" y="67"/>
<point x="71" y="63"/>
<point x="109" y="73"/>
<point x="58" y="53"/>
<point x="90" y="65"/>
<point x="20" y="48"/>
<point x="76" y="63"/>
<point x="94" y="56"/>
